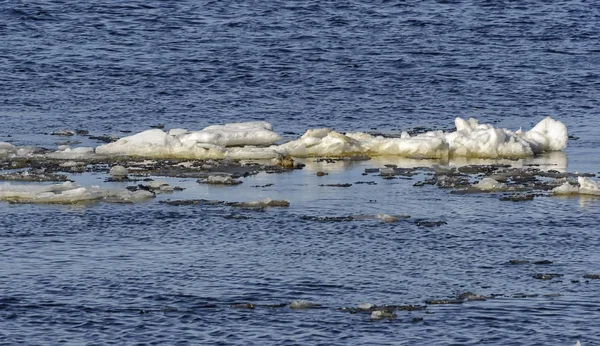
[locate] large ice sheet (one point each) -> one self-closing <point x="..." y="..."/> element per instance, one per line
<point x="249" y="140"/>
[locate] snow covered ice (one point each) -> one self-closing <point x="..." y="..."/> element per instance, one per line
<point x="255" y="140"/>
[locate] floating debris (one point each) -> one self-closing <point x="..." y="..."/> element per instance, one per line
<point x="243" y="306"/>
<point x="428" y="224"/>
<point x="523" y="295"/>
<point x="336" y="185"/>
<point x="517" y="197"/>
<point x="547" y="276"/>
<point x="592" y="276"/>
<point x="444" y="301"/>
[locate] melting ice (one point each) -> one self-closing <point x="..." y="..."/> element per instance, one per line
<point x="255" y="140"/>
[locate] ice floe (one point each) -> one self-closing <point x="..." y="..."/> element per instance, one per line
<point x="211" y="142"/>
<point x="586" y="187"/>
<point x="6" y="148"/>
<point x="489" y="184"/>
<point x="254" y="140"/>
<point x="67" y="193"/>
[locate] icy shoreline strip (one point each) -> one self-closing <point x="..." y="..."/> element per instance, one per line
<point x="255" y="140"/>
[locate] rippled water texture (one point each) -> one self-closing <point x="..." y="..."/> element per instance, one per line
<point x="152" y="273"/>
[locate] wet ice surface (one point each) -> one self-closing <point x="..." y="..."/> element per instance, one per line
<point x="160" y="273"/>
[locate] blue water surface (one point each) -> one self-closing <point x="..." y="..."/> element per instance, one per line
<point x="156" y="274"/>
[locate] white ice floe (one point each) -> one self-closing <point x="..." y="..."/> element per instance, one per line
<point x="489" y="184"/>
<point x="235" y="134"/>
<point x="382" y="314"/>
<point x="249" y="141"/>
<point x="67" y="193"/>
<point x="471" y="139"/>
<point x="586" y="187"/>
<point x="118" y="172"/>
<point x="211" y="142"/>
<point x="6" y="148"/>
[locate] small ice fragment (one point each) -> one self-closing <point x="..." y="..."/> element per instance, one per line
<point x="63" y="133"/>
<point x="489" y="184"/>
<point x="381" y="314"/>
<point x="220" y="180"/>
<point x="365" y="306"/>
<point x="588" y="187"/>
<point x="386" y="218"/>
<point x="565" y="189"/>
<point x="6" y="148"/>
<point x="118" y="172"/>
<point x="303" y="304"/>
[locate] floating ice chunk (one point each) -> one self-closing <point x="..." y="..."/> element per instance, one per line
<point x="9" y="149"/>
<point x="128" y="197"/>
<point x="489" y="184"/>
<point x="472" y="139"/>
<point x="6" y="148"/>
<point x="249" y="139"/>
<point x="565" y="189"/>
<point x="8" y="191"/>
<point x="151" y="143"/>
<point x="118" y="172"/>
<point x="66" y="153"/>
<point x="323" y="142"/>
<point x="381" y="314"/>
<point x="386" y="218"/>
<point x="235" y="134"/>
<point x="547" y="135"/>
<point x="586" y="187"/>
<point x="220" y="180"/>
<point x="57" y="193"/>
<point x="365" y="306"/>
<point x="67" y="193"/>
<point x="303" y="304"/>
<point x="211" y="142"/>
<point x="267" y="202"/>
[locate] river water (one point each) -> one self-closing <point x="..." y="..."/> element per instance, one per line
<point x="153" y="273"/>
